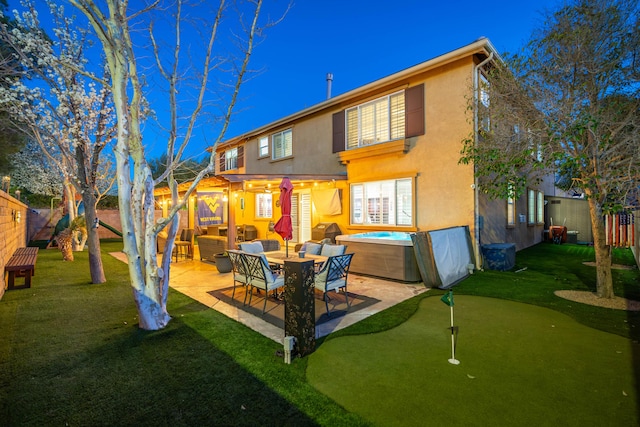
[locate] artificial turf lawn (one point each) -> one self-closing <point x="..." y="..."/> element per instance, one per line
<point x="520" y="365"/>
<point x="71" y="352"/>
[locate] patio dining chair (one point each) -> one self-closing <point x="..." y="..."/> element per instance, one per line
<point x="333" y="277"/>
<point x="184" y="246"/>
<point x="261" y="277"/>
<point x="251" y="247"/>
<point x="239" y="265"/>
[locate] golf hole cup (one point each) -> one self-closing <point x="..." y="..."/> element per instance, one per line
<point x="301" y="254"/>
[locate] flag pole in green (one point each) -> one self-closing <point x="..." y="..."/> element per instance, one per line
<point x="448" y="299"/>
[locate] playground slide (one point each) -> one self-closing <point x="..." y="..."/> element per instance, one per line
<point x="110" y="228"/>
<point x="64" y="223"/>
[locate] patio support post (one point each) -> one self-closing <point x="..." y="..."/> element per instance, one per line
<point x="231" y="222"/>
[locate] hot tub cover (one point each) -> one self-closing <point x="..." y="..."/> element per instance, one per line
<point x="443" y="256"/>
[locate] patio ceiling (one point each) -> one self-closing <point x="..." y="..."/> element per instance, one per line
<point x="256" y="182"/>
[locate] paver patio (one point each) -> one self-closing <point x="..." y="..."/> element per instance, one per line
<point x="197" y="279"/>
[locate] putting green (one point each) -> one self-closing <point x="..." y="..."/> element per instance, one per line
<point x="519" y="365"/>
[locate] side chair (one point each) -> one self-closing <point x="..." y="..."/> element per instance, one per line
<point x="333" y="276"/>
<point x="240" y="274"/>
<point x="261" y="277"/>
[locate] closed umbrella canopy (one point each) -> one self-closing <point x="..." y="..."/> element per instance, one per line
<point x="283" y="227"/>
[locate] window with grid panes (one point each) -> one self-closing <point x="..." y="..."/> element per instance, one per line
<point x="264" y="205"/>
<point x="231" y="159"/>
<point x="540" y="208"/>
<point x="388" y="202"/>
<point x="263" y="146"/>
<point x="282" y="144"/>
<point x="377" y="121"/>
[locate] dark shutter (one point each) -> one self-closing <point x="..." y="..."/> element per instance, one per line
<point x="241" y="156"/>
<point x="223" y="162"/>
<point x="338" y="132"/>
<point x="414" y="111"/>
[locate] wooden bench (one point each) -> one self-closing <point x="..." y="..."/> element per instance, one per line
<point x="21" y="264"/>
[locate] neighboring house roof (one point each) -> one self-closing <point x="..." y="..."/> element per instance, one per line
<point x="482" y="46"/>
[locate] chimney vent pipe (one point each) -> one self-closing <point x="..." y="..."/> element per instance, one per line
<point x="329" y="81"/>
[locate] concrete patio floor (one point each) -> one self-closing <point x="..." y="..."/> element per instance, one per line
<point x="196" y="279"/>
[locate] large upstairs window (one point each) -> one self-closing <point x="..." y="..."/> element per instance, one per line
<point x="377" y="121"/>
<point x="390" y="118"/>
<point x="282" y="144"/>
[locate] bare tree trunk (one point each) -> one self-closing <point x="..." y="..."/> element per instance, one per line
<point x="604" y="281"/>
<point x="93" y="238"/>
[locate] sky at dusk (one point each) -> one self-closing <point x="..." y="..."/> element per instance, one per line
<point x="360" y="41"/>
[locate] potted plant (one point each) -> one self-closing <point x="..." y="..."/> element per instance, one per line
<point x="223" y="263"/>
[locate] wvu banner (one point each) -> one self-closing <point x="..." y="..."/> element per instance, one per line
<point x="210" y="208"/>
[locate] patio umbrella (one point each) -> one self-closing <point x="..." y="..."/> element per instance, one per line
<point x="283" y="227"/>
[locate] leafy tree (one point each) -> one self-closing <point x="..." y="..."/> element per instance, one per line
<point x="63" y="110"/>
<point x="34" y="172"/>
<point x="11" y="139"/>
<point x="569" y="102"/>
<point x="185" y="172"/>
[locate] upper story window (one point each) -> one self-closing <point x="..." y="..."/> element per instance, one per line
<point x="282" y="144"/>
<point x="263" y="146"/>
<point x="484" y="90"/>
<point x="391" y="117"/>
<point x="387" y="202"/>
<point x="376" y="121"/>
<point x="232" y="158"/>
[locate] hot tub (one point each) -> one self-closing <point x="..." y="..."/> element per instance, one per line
<point x="387" y="254"/>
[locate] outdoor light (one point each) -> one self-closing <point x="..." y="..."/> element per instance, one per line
<point x="6" y="180"/>
<point x="96" y="222"/>
<point x="289" y="342"/>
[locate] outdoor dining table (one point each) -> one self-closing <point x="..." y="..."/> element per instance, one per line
<point x="279" y="258"/>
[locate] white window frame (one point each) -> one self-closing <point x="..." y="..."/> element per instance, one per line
<point x="264" y="205"/>
<point x="263" y="146"/>
<point x="531" y="207"/>
<point x="540" y="208"/>
<point x="377" y="121"/>
<point x="231" y="158"/>
<point x="283" y="149"/>
<point x="511" y="208"/>
<point x="388" y="202"/>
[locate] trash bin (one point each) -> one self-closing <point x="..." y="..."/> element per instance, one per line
<point x="499" y="256"/>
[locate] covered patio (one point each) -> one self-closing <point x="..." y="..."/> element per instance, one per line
<point x="200" y="281"/>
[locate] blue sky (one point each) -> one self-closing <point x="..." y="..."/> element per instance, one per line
<point x="360" y="41"/>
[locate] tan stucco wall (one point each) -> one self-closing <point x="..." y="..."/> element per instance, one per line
<point x="312" y="150"/>
<point x="444" y="196"/>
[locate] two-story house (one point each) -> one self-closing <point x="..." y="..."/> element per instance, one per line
<point x="384" y="156"/>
